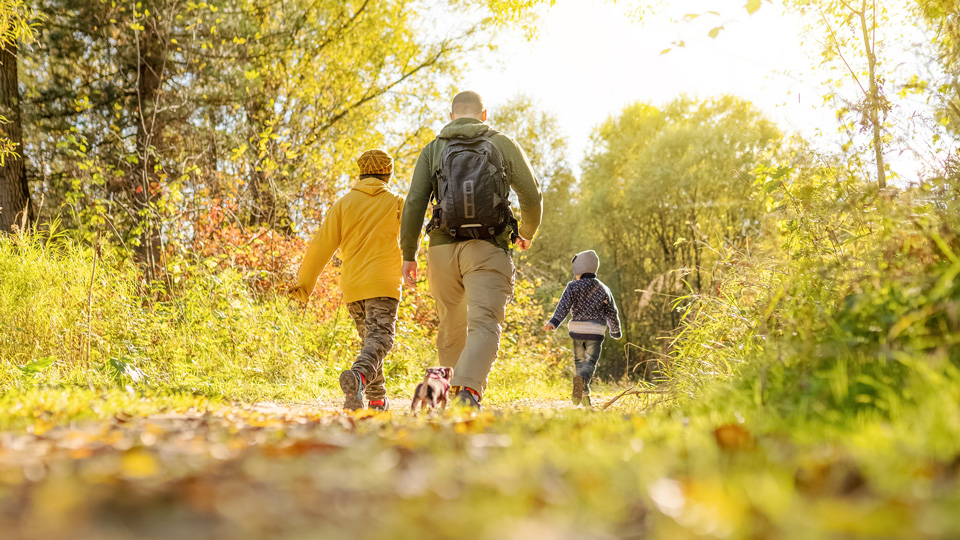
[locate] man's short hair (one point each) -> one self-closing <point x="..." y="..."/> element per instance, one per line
<point x="467" y="103"/>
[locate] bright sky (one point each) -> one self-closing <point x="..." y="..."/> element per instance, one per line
<point x="590" y="60"/>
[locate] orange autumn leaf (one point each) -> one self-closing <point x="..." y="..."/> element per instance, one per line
<point x="733" y="437"/>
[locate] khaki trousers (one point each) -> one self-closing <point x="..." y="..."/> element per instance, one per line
<point x="471" y="282"/>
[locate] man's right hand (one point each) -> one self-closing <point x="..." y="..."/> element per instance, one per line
<point x="523" y="243"/>
<point x="410" y="272"/>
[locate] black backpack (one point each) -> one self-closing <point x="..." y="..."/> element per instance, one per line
<point x="472" y="193"/>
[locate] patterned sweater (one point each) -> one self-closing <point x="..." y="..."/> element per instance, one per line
<point x="593" y="309"/>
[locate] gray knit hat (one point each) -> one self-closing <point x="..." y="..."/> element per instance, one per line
<point x="586" y="262"/>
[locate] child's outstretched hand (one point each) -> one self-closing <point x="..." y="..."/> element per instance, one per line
<point x="549" y="326"/>
<point x="298" y="294"/>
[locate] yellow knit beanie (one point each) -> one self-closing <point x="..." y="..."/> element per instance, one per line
<point x="375" y="162"/>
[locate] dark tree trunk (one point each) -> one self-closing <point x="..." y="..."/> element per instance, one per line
<point x="263" y="203"/>
<point x="146" y="188"/>
<point x="263" y="209"/>
<point x="15" y="204"/>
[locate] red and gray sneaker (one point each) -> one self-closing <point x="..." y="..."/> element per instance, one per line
<point x="379" y="404"/>
<point x="467" y="398"/>
<point x="351" y="382"/>
<point x="577" y="396"/>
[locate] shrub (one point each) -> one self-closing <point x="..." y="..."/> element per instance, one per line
<point x="849" y="307"/>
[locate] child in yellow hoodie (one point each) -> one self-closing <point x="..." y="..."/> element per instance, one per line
<point x="365" y="226"/>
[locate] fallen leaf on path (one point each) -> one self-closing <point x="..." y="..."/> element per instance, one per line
<point x="733" y="437"/>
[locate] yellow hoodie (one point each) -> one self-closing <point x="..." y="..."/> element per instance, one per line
<point x="365" y="226"/>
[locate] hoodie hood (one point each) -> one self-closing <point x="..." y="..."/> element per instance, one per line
<point x="370" y="186"/>
<point x="463" y="128"/>
<point x="586" y="262"/>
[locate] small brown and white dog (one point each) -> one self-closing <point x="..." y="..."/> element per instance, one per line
<point x="433" y="391"/>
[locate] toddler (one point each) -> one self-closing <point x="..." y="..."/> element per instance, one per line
<point x="593" y="311"/>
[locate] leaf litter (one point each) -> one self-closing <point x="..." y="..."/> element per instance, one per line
<point x="279" y="471"/>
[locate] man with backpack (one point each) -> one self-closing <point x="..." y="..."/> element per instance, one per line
<point x="466" y="174"/>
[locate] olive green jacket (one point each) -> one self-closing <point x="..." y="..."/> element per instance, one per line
<point x="424" y="184"/>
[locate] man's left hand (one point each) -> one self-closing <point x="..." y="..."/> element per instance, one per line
<point x="523" y="243"/>
<point x="410" y="272"/>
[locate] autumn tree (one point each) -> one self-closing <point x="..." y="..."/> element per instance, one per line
<point x="145" y="115"/>
<point x="329" y="72"/>
<point x="848" y="33"/>
<point x="107" y="115"/>
<point x="538" y="132"/>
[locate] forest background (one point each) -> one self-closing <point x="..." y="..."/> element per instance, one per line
<point x="165" y="161"/>
<point x="186" y="139"/>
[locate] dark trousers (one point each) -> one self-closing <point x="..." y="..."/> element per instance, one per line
<point x="376" y="320"/>
<point x="586" y="354"/>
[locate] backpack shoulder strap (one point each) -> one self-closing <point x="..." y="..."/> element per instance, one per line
<point x="487" y="136"/>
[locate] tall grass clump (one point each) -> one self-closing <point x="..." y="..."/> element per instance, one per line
<point x="69" y="324"/>
<point x="73" y="317"/>
<point x="846" y="310"/>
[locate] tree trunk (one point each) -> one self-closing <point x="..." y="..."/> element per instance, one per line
<point x="15" y="204"/>
<point x="145" y="191"/>
<point x="873" y="99"/>
<point x="263" y="203"/>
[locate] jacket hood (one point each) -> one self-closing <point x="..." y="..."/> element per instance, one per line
<point x="586" y="262"/>
<point x="370" y="186"/>
<point x="463" y="128"/>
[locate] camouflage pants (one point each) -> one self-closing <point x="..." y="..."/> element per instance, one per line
<point x="376" y="320"/>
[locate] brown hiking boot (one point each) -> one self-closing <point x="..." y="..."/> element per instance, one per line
<point x="352" y="386"/>
<point x="577" y="390"/>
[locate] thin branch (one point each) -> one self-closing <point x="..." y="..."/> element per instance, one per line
<point x="833" y="35"/>
<point x="635" y="391"/>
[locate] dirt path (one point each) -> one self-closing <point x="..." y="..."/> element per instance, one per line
<point x="397" y="407"/>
